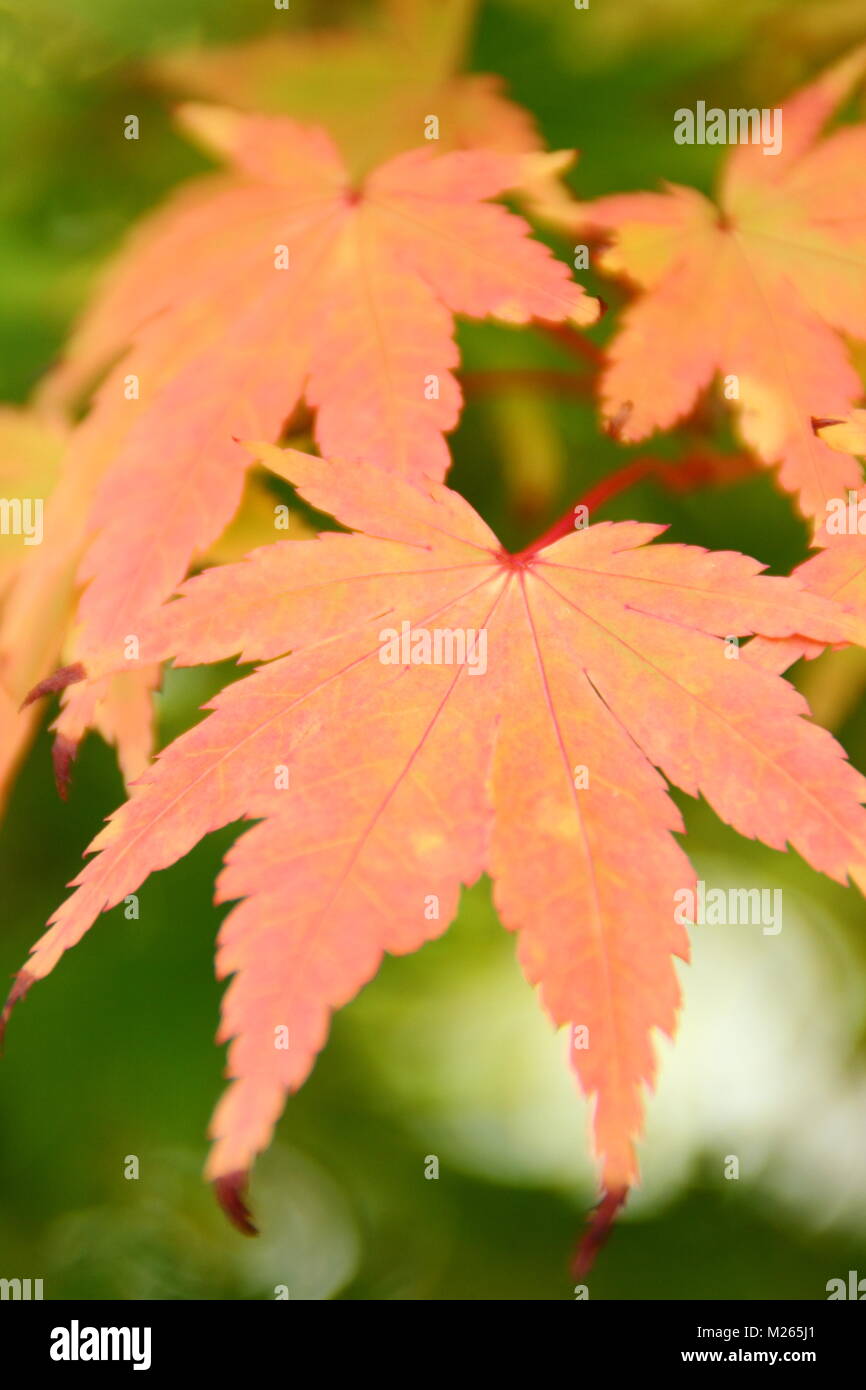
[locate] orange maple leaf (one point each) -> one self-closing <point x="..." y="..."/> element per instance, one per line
<point x="385" y="778"/>
<point x="38" y="600"/>
<point x="759" y="287"/>
<point x="280" y="281"/>
<point x="838" y="572"/>
<point x="396" y="72"/>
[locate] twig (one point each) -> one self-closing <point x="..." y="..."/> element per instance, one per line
<point x="491" y="382"/>
<point x="700" y="466"/>
<point x="573" y="342"/>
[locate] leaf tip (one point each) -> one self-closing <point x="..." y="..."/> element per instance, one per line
<point x="23" y="981"/>
<point x="62" y="757"/>
<point x="230" y="1190"/>
<point x="56" y="682"/>
<point x="598" y="1229"/>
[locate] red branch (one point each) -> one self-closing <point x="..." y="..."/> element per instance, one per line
<point x="574" y="342"/>
<point x="699" y="467"/>
<point x="490" y="383"/>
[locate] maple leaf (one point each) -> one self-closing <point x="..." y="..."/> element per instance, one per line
<point x="396" y="72"/>
<point x="759" y="286"/>
<point x="38" y="560"/>
<point x="381" y="786"/>
<point x="838" y="572"/>
<point x="38" y="598"/>
<point x="225" y="341"/>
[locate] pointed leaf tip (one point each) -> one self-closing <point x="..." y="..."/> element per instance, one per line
<point x="57" y="681"/>
<point x="23" y="981"/>
<point x="597" y="1231"/>
<point x="230" y="1191"/>
<point x="62" y="757"/>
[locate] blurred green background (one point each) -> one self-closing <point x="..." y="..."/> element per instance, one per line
<point x="446" y="1053"/>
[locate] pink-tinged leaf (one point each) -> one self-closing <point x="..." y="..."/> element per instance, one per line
<point x="280" y="283"/>
<point x="381" y="787"/>
<point x="837" y="573"/>
<point x="756" y="290"/>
